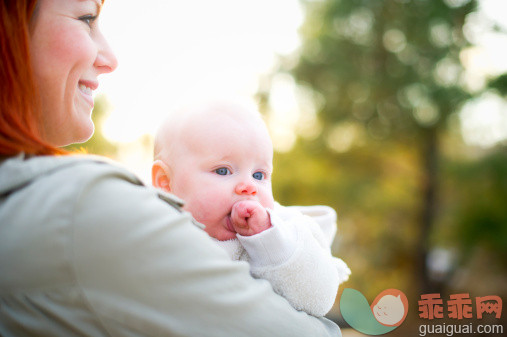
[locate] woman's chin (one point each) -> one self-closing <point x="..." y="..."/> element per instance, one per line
<point x="75" y="138"/>
<point x="83" y="134"/>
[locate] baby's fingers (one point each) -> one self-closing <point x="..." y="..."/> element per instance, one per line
<point x="239" y="217"/>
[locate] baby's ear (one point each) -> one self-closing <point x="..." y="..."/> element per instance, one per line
<point x="160" y="175"/>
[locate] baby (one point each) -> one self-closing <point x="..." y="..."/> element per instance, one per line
<point x="218" y="157"/>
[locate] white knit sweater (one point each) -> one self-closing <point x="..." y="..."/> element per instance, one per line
<point x="294" y="255"/>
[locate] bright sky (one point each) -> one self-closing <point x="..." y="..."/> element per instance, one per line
<point x="171" y="52"/>
<point x="484" y="120"/>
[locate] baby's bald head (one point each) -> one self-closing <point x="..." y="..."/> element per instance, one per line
<point x="176" y="132"/>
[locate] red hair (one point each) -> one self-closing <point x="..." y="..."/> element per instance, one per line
<point x="20" y="110"/>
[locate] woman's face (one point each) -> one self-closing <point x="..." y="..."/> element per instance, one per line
<point x="68" y="54"/>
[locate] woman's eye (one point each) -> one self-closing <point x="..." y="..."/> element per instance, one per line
<point x="223" y="171"/>
<point x="258" y="175"/>
<point x="88" y="19"/>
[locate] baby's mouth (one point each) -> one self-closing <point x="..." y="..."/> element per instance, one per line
<point x="228" y="223"/>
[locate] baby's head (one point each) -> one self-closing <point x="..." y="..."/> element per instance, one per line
<point x="213" y="155"/>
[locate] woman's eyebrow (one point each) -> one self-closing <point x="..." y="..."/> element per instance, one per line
<point x="98" y="4"/>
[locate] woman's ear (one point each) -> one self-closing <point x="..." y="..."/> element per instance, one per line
<point x="160" y="175"/>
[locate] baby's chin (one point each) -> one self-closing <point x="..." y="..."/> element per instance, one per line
<point x="227" y="237"/>
<point x="221" y="234"/>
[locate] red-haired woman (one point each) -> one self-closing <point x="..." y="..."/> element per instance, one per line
<point x="85" y="248"/>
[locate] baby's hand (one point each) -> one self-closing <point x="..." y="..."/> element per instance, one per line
<point x="248" y="217"/>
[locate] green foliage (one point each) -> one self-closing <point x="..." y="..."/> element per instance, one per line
<point x="374" y="192"/>
<point x="500" y="84"/>
<point x="481" y="218"/>
<point x="391" y="69"/>
<point x="392" y="65"/>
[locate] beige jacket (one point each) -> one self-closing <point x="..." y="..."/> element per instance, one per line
<point x="87" y="250"/>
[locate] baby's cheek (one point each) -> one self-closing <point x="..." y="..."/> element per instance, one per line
<point x="197" y="212"/>
<point x="267" y="201"/>
<point x="203" y="210"/>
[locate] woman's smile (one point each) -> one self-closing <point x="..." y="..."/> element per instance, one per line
<point x="86" y="89"/>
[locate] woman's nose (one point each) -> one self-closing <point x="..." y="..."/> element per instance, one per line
<point x="106" y="61"/>
<point x="246" y="189"/>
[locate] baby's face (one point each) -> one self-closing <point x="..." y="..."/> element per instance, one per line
<point x="222" y="160"/>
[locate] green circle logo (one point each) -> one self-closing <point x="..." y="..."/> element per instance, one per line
<point x="387" y="312"/>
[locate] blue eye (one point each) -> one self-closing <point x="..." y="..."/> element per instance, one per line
<point x="223" y="171"/>
<point x="258" y="175"/>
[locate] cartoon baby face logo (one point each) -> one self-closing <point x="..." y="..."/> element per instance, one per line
<point x="390" y="307"/>
<point x="386" y="313"/>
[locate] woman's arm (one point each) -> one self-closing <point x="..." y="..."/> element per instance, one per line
<point x="145" y="269"/>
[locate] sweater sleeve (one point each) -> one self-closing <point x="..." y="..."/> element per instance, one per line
<point x="296" y="264"/>
<point x="145" y="269"/>
<point x="323" y="227"/>
<point x="324" y="216"/>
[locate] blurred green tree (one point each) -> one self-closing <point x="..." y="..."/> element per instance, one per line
<point x="500" y="84"/>
<point x="479" y="205"/>
<point x="390" y="72"/>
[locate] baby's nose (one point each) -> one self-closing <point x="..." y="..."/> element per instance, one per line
<point x="246" y="189"/>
